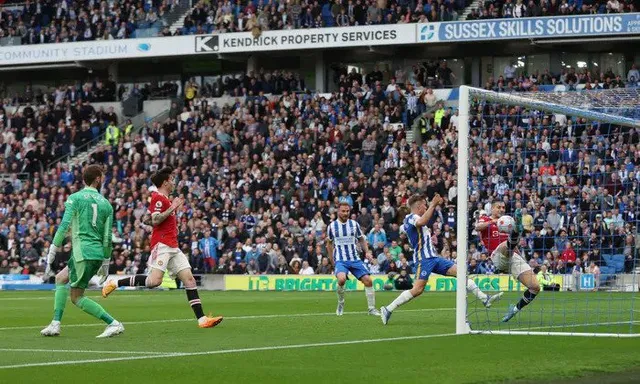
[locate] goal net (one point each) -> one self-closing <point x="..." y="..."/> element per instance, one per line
<point x="568" y="164"/>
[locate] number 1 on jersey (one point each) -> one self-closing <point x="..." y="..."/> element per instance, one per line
<point x="94" y="219"/>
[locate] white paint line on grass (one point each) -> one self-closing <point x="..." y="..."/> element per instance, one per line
<point x="80" y="351"/>
<point x="225" y="351"/>
<point x="250" y="317"/>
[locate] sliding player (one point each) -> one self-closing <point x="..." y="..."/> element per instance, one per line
<point x="165" y="254"/>
<point x="502" y="247"/>
<point x="426" y="258"/>
<point x="342" y="236"/>
<point x="90" y="216"/>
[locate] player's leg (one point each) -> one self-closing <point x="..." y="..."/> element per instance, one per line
<point x="361" y="273"/>
<point x="59" y="303"/>
<point x="472" y="287"/>
<point x="179" y="266"/>
<point x="422" y="276"/>
<point x="160" y="257"/>
<point x="80" y="273"/>
<point x="341" y="275"/>
<point x="521" y="269"/>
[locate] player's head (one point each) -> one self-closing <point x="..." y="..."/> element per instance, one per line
<point x="497" y="208"/>
<point x="163" y="179"/>
<point x="93" y="176"/>
<point x="344" y="210"/>
<point x="418" y="204"/>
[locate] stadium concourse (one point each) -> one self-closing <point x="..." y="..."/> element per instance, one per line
<point x="262" y="178"/>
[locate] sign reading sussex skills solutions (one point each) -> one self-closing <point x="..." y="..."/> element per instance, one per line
<point x="328" y="283"/>
<point x="530" y="28"/>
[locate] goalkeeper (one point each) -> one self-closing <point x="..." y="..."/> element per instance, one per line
<point x="89" y="216"/>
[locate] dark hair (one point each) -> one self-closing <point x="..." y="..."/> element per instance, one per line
<point x="161" y="176"/>
<point x="414" y="199"/>
<point x="344" y="203"/>
<point x="91" y="173"/>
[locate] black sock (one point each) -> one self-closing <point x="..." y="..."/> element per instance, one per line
<point x="513" y="241"/>
<point x="133" y="281"/>
<point x="527" y="297"/>
<point x="194" y="301"/>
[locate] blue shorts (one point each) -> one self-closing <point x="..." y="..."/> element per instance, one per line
<point x="432" y="265"/>
<point x="356" y="268"/>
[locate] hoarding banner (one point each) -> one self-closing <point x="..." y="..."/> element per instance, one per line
<point x="530" y="28"/>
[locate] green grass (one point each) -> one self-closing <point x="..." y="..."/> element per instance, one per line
<point x="289" y="337"/>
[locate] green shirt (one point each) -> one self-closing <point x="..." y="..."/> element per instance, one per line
<point x="90" y="216"/>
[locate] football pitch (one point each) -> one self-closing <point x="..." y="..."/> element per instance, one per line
<point x="293" y="337"/>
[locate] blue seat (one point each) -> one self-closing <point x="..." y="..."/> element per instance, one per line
<point x="618" y="263"/>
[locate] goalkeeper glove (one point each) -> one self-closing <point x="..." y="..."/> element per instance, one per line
<point x="103" y="272"/>
<point x="51" y="256"/>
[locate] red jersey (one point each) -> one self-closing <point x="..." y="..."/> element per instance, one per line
<point x="167" y="231"/>
<point x="491" y="237"/>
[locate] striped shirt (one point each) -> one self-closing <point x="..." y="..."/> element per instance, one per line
<point x="344" y="237"/>
<point x="419" y="238"/>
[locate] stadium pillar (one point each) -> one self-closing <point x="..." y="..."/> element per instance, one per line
<point x="476" y="69"/>
<point x="321" y="72"/>
<point x="252" y="64"/>
<point x="113" y="72"/>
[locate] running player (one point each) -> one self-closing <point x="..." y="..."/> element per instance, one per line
<point x="425" y="257"/>
<point x="90" y="217"/>
<point x="165" y="254"/>
<point x="502" y="248"/>
<point x="342" y="236"/>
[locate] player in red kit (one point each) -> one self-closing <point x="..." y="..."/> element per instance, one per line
<point x="502" y="248"/>
<point x="165" y="253"/>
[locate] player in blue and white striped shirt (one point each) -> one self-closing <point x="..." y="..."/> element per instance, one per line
<point x="426" y="257"/>
<point x="342" y="236"/>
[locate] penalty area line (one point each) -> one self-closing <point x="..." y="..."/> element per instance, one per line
<point x="81" y="351"/>
<point x="224" y="351"/>
<point x="248" y="317"/>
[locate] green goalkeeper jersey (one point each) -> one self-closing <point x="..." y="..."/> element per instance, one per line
<point x="90" y="216"/>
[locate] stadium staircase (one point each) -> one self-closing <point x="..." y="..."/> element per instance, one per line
<point x="81" y="154"/>
<point x="475" y="4"/>
<point x="184" y="10"/>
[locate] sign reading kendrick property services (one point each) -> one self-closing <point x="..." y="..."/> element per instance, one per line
<point x="530" y="28"/>
<point x="308" y="39"/>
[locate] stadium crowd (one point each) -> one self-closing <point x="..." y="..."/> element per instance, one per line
<point x="497" y="9"/>
<point x="262" y="178"/>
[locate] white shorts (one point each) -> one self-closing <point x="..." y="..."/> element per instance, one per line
<point x="169" y="259"/>
<point x="515" y="265"/>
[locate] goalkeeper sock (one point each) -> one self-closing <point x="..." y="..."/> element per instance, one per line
<point x="473" y="288"/>
<point x="341" y="293"/>
<point x="404" y="298"/>
<point x="94" y="309"/>
<point x="194" y="302"/>
<point x="133" y="281"/>
<point x="527" y="297"/>
<point x="60" y="301"/>
<point x="371" y="297"/>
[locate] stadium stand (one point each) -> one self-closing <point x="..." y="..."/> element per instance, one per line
<point x="262" y="174"/>
<point x="491" y="9"/>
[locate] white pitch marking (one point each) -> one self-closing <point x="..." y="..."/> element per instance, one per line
<point x="81" y="351"/>
<point x="224" y="351"/>
<point x="250" y="317"/>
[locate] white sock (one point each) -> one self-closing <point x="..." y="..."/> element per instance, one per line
<point x="55" y="322"/>
<point x="473" y="288"/>
<point x="371" y="297"/>
<point x="341" y="293"/>
<point x="202" y="319"/>
<point x="404" y="297"/>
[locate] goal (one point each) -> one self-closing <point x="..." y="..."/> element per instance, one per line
<point x="565" y="160"/>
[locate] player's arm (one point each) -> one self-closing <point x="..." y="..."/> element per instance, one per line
<point x="107" y="239"/>
<point x="484" y="223"/>
<point x="61" y="233"/>
<point x="329" y="241"/>
<point x="363" y="240"/>
<point x="158" y="217"/>
<point x="424" y="219"/>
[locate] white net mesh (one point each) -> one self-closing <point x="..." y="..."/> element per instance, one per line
<point x="569" y="165"/>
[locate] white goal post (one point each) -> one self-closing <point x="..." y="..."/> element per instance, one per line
<point x="607" y="106"/>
